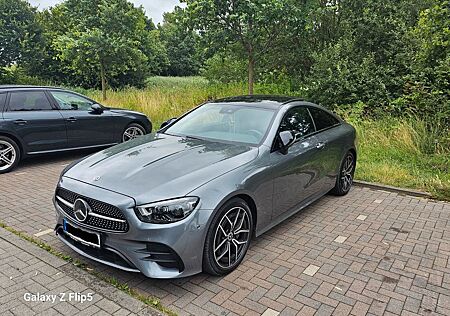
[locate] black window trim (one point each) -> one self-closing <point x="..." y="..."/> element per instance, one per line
<point x="274" y="143"/>
<point x="297" y="139"/>
<point x="3" y="104"/>
<point x="326" y="128"/>
<point x="8" y="99"/>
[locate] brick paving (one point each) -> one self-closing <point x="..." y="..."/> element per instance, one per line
<point x="370" y="252"/>
<point x="34" y="282"/>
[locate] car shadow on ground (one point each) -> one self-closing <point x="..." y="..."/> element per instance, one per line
<point x="259" y="254"/>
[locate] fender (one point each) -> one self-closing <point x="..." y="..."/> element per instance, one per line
<point x="16" y="138"/>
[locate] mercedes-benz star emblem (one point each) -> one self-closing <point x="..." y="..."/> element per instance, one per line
<point x="81" y="210"/>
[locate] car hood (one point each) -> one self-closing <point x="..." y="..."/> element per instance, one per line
<point x="159" y="166"/>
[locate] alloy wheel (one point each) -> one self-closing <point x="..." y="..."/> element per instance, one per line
<point x="347" y="172"/>
<point x="131" y="133"/>
<point x="231" y="237"/>
<point x="8" y="155"/>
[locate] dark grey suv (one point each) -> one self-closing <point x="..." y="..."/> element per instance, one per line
<point x="36" y="120"/>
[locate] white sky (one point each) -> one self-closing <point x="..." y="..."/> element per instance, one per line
<point x="153" y="8"/>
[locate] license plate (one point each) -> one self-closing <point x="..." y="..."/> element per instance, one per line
<point x="82" y="236"/>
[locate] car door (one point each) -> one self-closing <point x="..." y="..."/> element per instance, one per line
<point x="85" y="127"/>
<point x="296" y="175"/>
<point x="328" y="134"/>
<point x="30" y="115"/>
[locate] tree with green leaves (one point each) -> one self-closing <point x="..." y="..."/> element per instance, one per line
<point x="428" y="86"/>
<point x="19" y="33"/>
<point x="182" y="44"/>
<point x="257" y="25"/>
<point x="370" y="56"/>
<point x="106" y="39"/>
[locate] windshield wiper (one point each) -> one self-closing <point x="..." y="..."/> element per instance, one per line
<point x="193" y="137"/>
<point x="183" y="136"/>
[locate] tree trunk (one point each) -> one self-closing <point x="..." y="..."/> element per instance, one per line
<point x="251" y="71"/>
<point x="103" y="77"/>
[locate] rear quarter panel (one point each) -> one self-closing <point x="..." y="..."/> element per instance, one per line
<point x="6" y="127"/>
<point x="339" y="140"/>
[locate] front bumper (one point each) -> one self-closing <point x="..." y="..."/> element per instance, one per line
<point x="157" y="250"/>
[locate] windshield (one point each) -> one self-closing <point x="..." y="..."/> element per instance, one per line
<point x="225" y="122"/>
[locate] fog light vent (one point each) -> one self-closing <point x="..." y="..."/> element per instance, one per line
<point x="162" y="255"/>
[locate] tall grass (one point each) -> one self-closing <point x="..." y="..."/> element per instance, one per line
<point x="410" y="152"/>
<point x="165" y="98"/>
<point x="405" y="152"/>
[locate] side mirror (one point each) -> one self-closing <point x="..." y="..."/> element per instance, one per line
<point x="168" y="122"/>
<point x="287" y="138"/>
<point x="97" y="108"/>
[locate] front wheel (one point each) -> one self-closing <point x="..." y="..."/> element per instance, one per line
<point x="344" y="180"/>
<point x="228" y="238"/>
<point x="133" y="131"/>
<point x="9" y="154"/>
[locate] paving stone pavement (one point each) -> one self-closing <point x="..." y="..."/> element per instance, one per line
<point x="368" y="253"/>
<point x="35" y="282"/>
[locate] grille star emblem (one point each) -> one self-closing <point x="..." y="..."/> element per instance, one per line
<point x="81" y="210"/>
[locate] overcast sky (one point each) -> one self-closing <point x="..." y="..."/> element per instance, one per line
<point x="153" y="8"/>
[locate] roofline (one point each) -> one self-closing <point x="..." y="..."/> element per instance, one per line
<point x="11" y="87"/>
<point x="293" y="100"/>
<point x="263" y="97"/>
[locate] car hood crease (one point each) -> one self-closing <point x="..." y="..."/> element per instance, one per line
<point x="159" y="166"/>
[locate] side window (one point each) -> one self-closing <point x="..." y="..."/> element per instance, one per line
<point x="298" y="120"/>
<point x="322" y="119"/>
<point x="29" y="101"/>
<point x="2" y="100"/>
<point x="70" y="101"/>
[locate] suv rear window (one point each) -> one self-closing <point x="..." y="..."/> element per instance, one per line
<point x="29" y="101"/>
<point x="322" y="119"/>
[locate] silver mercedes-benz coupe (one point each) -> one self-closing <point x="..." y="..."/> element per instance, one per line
<point x="191" y="197"/>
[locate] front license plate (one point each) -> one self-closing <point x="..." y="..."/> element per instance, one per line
<point x="82" y="236"/>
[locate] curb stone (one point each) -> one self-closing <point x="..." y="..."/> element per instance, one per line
<point x="379" y="186"/>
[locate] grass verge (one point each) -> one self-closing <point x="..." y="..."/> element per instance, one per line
<point x="148" y="300"/>
<point x="411" y="153"/>
<point x="400" y="152"/>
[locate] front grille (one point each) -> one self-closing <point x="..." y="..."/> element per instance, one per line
<point x="104" y="216"/>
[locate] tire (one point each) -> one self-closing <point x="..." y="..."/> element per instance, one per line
<point x="234" y="233"/>
<point x="344" y="180"/>
<point x="9" y="154"/>
<point x="132" y="131"/>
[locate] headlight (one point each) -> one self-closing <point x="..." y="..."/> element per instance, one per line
<point x="169" y="211"/>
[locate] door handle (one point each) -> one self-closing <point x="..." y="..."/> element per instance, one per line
<point x="20" y="122"/>
<point x="71" y="119"/>
<point x="320" y="145"/>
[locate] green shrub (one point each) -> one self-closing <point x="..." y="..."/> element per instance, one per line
<point x="17" y="75"/>
<point x="225" y="67"/>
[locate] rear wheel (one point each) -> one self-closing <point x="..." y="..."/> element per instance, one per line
<point x="133" y="131"/>
<point x="228" y="238"/>
<point x="9" y="154"/>
<point x="344" y="180"/>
